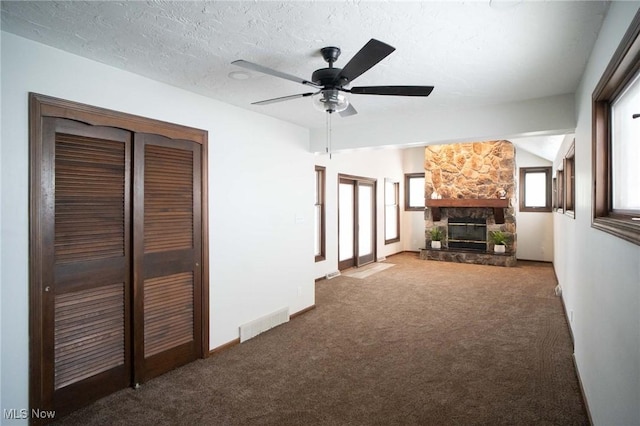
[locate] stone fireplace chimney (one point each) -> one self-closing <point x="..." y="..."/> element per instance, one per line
<point x="471" y="180"/>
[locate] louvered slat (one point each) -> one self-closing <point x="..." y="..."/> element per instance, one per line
<point x="89" y="333"/>
<point x="168" y="200"/>
<point x="168" y="312"/>
<point x="89" y="206"/>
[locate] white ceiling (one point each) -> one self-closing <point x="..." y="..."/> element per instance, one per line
<point x="475" y="53"/>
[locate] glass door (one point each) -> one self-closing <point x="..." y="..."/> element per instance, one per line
<point x="346" y="225"/>
<point x="356" y="221"/>
<point x="366" y="223"/>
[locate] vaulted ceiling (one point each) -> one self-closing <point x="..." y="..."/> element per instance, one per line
<point x="476" y="53"/>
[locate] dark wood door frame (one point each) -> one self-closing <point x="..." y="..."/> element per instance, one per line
<point x="41" y="107"/>
<point x="356" y="180"/>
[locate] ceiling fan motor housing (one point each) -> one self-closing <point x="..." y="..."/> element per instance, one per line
<point x="327" y="77"/>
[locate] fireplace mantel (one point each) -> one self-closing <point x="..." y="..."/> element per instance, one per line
<point x="497" y="204"/>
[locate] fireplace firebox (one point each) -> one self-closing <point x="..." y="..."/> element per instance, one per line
<point x="467" y="233"/>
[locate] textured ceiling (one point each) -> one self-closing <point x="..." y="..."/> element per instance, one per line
<point x="474" y="53"/>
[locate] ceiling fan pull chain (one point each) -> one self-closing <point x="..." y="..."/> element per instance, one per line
<point x="328" y="132"/>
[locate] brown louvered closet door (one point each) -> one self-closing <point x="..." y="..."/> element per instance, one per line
<point x="86" y="279"/>
<point x="116" y="241"/>
<point x="167" y="254"/>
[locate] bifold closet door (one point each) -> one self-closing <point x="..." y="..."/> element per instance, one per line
<point x="166" y="254"/>
<point x="85" y="224"/>
<point x="121" y="243"/>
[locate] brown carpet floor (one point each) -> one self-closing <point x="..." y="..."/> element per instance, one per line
<point x="421" y="343"/>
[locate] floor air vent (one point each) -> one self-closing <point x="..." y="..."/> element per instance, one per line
<point x="332" y="275"/>
<point x="260" y="325"/>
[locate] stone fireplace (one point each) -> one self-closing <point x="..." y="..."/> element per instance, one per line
<point x="470" y="192"/>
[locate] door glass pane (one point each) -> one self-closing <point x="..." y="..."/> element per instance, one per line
<point x="345" y="221"/>
<point x="365" y="220"/>
<point x="625" y="149"/>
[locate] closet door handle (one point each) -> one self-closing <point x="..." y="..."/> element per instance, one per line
<point x="47" y="289"/>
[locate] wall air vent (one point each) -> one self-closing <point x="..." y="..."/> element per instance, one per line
<point x="260" y="325"/>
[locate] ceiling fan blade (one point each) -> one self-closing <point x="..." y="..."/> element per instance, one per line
<point x="393" y="90"/>
<point x="370" y="54"/>
<point x="255" y="67"/>
<point x="281" y="99"/>
<point x="348" y="112"/>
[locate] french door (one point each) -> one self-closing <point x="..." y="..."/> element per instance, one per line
<point x="356" y="221"/>
<point x="117" y="260"/>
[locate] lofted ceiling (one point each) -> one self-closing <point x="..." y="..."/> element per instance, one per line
<point x="475" y="53"/>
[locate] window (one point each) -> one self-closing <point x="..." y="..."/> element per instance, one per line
<point x="569" y="181"/>
<point x="391" y="211"/>
<point x="414" y="191"/>
<point x="616" y="131"/>
<point x="535" y="189"/>
<point x="560" y="190"/>
<point x="319" y="214"/>
<point x="625" y="151"/>
<point x="554" y="188"/>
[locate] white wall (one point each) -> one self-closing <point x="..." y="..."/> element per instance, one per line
<point x="600" y="273"/>
<point x="534" y="229"/>
<point x="377" y="164"/>
<point x="260" y="175"/>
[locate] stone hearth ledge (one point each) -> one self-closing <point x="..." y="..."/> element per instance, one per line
<point x="469" y="256"/>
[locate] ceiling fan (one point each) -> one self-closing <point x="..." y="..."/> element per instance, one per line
<point x="331" y="82"/>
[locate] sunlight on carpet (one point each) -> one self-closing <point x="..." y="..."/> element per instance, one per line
<point x="367" y="271"/>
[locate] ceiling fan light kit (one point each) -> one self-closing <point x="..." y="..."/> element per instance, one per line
<point x="331" y="83"/>
<point x="330" y="100"/>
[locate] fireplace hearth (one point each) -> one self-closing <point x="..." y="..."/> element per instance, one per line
<point x="466" y="230"/>
<point x="469" y="256"/>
